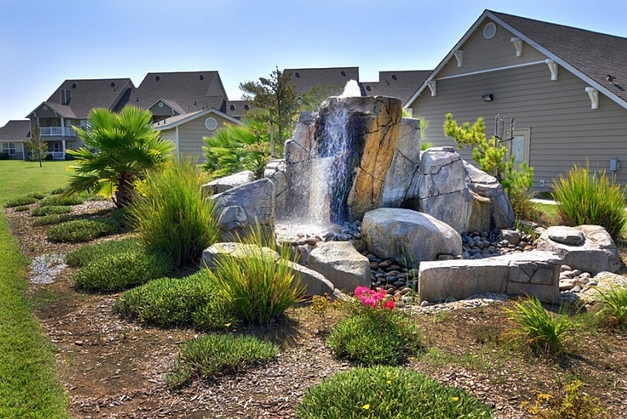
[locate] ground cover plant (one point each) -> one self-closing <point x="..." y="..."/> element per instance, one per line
<point x="386" y="393"/>
<point x="51" y="219"/>
<point x="374" y="333"/>
<point x="58" y="200"/>
<point x="80" y="231"/>
<point x="50" y="209"/>
<point x="92" y="252"/>
<point x="121" y="270"/>
<point x="20" y="201"/>
<point x="212" y="354"/>
<point x="172" y="302"/>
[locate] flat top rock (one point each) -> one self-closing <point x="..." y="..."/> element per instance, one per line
<point x="566" y="235"/>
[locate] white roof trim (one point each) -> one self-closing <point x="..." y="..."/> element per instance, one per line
<point x="189" y="117"/>
<point x="566" y="65"/>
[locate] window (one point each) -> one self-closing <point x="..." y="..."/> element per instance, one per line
<point x="211" y="123"/>
<point x="8" y="148"/>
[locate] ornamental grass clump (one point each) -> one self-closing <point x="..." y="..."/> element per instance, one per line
<point x="375" y="333"/>
<point x="591" y="198"/>
<point x="209" y="355"/>
<point x="613" y="310"/>
<point x="385" y="392"/>
<point x="540" y="330"/>
<point x="256" y="285"/>
<point x="171" y="216"/>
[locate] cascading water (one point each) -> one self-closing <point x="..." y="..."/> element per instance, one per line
<point x="332" y="171"/>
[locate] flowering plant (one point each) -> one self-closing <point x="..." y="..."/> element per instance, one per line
<point x="372" y="298"/>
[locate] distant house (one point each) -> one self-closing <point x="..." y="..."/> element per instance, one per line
<point x="564" y="88"/>
<point x="186" y="107"/>
<point x="308" y="80"/>
<point x="13" y="136"/>
<point x="188" y="130"/>
<point x="400" y="84"/>
<point x="69" y="106"/>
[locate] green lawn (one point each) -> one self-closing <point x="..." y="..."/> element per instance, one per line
<point x="28" y="384"/>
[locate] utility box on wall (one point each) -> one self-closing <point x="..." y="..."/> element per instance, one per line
<point x="614" y="164"/>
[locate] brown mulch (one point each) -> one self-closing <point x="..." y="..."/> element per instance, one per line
<point x="115" y="368"/>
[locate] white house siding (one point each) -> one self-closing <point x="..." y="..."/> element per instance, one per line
<point x="564" y="128"/>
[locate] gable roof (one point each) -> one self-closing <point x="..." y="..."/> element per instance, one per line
<point x="189" y="91"/>
<point x="400" y="84"/>
<point x="177" y="120"/>
<point x="238" y="108"/>
<point x="15" y="131"/>
<point x="75" y="98"/>
<point x="305" y="79"/>
<point x="591" y="56"/>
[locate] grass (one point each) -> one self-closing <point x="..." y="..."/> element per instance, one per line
<point x="386" y="393"/>
<point x="80" y="231"/>
<point x="28" y="384"/>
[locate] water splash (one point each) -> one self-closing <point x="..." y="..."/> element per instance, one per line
<point x="351" y="89"/>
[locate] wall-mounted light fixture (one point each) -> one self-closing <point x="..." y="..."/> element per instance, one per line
<point x="488" y="97"/>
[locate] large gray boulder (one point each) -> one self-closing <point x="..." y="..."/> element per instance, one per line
<point x="225" y="183"/>
<point x="341" y="264"/>
<point x="408" y="236"/>
<point x="458" y="194"/>
<point x="244" y="206"/>
<point x="529" y="273"/>
<point x="588" y="248"/>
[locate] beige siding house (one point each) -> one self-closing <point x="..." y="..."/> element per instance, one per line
<point x="560" y="86"/>
<point x="187" y="131"/>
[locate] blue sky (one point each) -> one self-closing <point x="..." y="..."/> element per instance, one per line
<point x="45" y="42"/>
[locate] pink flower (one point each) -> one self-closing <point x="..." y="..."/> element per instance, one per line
<point x="373" y="298"/>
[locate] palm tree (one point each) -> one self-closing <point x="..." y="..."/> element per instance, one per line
<point x="126" y="146"/>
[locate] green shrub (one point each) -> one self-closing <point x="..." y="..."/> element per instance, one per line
<point x="375" y="336"/>
<point x="92" y="252"/>
<point x="123" y="270"/>
<point x="20" y="201"/>
<point x="58" y="191"/>
<point x="212" y="354"/>
<point x="614" y="306"/>
<point x="37" y="195"/>
<point x="5" y="156"/>
<point x="591" y="198"/>
<point x="169" y="302"/>
<point x="568" y="402"/>
<point x="51" y="220"/>
<point x="254" y="286"/>
<point x="77" y="231"/>
<point x="50" y="209"/>
<point x="534" y="326"/>
<point x="387" y="392"/>
<point x="21" y="208"/>
<point x="171" y="216"/>
<point x="63" y="200"/>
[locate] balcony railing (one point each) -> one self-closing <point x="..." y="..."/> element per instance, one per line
<point x="57" y="132"/>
